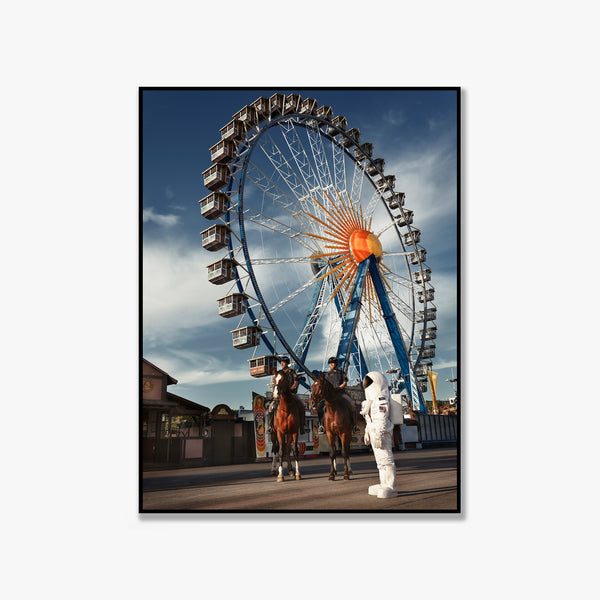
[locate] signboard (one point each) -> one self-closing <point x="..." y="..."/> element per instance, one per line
<point x="258" y="407"/>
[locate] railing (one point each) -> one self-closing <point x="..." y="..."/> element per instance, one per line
<point x="435" y="429"/>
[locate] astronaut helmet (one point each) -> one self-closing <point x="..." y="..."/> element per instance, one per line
<point x="375" y="385"/>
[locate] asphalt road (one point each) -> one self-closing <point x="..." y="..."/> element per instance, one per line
<point x="426" y="480"/>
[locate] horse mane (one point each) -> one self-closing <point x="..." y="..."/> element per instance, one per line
<point x="338" y="398"/>
<point x="290" y="397"/>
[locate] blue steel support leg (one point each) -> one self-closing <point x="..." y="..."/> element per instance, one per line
<point x="396" y="337"/>
<point x="303" y="343"/>
<point x="350" y="319"/>
<point x="357" y="356"/>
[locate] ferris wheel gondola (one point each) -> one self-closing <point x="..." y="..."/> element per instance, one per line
<point x="322" y="258"/>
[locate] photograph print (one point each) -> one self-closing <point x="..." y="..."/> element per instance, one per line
<point x="300" y="300"/>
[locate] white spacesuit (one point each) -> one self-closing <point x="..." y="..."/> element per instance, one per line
<point x="378" y="432"/>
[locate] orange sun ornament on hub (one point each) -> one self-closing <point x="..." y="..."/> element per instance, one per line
<point x="363" y="243"/>
<point x="348" y="236"/>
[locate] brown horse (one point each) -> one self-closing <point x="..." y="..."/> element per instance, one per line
<point x="287" y="422"/>
<point x="338" y="421"/>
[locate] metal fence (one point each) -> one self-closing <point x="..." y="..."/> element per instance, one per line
<point x="437" y="428"/>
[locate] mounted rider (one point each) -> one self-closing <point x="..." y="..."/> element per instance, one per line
<point x="292" y="381"/>
<point x="337" y="378"/>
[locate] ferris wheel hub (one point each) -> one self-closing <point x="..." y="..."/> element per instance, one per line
<point x="363" y="243"/>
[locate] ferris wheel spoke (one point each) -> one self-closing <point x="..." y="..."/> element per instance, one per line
<point x="357" y="182"/>
<point x="312" y="321"/>
<point x="303" y="164"/>
<point x="320" y="158"/>
<point x="339" y="166"/>
<point x="312" y="281"/>
<point x="370" y="342"/>
<point x="373" y="202"/>
<point x="400" y="280"/>
<point x="278" y="261"/>
<point x="277" y="195"/>
<point x="385" y="228"/>
<point x="278" y="227"/>
<point x="400" y="306"/>
<point x="278" y="159"/>
<point x="283" y="167"/>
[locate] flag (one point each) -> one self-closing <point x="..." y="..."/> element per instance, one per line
<point x="433" y="382"/>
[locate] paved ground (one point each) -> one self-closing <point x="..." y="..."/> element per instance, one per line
<point x="426" y="479"/>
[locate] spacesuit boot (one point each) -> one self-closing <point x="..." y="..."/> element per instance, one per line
<point x="387" y="489"/>
<point x="375" y="489"/>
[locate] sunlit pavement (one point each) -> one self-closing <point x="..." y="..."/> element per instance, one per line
<point x="426" y="481"/>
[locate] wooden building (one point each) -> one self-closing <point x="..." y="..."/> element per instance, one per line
<point x="167" y="419"/>
<point x="177" y="431"/>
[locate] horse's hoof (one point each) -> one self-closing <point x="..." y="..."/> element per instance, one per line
<point x="279" y="478"/>
<point x="273" y="473"/>
<point x="346" y="476"/>
<point x="332" y="478"/>
<point x="298" y="478"/>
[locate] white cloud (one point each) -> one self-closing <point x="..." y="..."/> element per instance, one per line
<point x="176" y="291"/>
<point x="148" y="214"/>
<point x="445" y="294"/>
<point x="197" y="368"/>
<point x="429" y="181"/>
<point x="394" y="117"/>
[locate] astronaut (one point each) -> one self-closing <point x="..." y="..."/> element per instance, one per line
<point x="379" y="432"/>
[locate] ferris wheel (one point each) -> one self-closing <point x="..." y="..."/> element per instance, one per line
<point x="322" y="258"/>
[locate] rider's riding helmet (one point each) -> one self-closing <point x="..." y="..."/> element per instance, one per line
<point x="333" y="359"/>
<point x="284" y="360"/>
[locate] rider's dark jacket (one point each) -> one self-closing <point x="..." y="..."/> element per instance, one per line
<point x="336" y="377"/>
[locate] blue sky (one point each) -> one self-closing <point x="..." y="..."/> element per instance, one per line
<point x="414" y="131"/>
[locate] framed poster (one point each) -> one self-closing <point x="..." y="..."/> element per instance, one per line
<point x="312" y="234"/>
